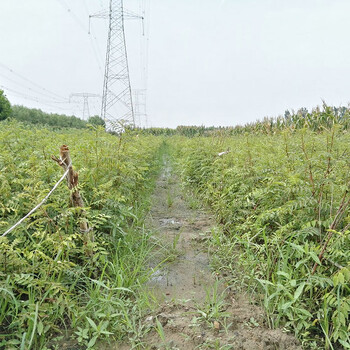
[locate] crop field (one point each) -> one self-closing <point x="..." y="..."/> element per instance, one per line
<point x="279" y="196"/>
<point x="52" y="278"/>
<point x="283" y="202"/>
<point x="174" y="175"/>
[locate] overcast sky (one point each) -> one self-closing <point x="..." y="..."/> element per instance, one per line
<point x="210" y="62"/>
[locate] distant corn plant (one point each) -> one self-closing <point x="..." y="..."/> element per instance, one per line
<point x="318" y="120"/>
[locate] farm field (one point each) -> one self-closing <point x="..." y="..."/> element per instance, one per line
<point x="282" y="201"/>
<point x="246" y="232"/>
<point x="174" y="175"/>
<point x="52" y="278"/>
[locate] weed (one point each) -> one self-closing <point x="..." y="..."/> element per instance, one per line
<point x="214" y="306"/>
<point x="160" y="331"/>
<point x="170" y="199"/>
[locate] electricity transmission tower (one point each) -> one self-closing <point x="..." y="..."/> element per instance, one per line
<point x="85" y="96"/>
<point x="117" y="107"/>
<point x="139" y="99"/>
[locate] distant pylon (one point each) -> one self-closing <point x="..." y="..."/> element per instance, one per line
<point x="139" y="99"/>
<point x="85" y="96"/>
<point x="117" y="107"/>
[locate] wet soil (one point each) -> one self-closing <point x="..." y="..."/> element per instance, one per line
<point x="196" y="309"/>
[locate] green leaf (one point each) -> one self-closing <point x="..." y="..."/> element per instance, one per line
<point x="286" y="305"/>
<point x="282" y="273"/>
<point x="92" y="323"/>
<point x="296" y="247"/>
<point x="298" y="291"/>
<point x="92" y="341"/>
<point x="344" y="343"/>
<point x="40" y="328"/>
<point x="106" y="332"/>
<point x="315" y="258"/>
<point x="304" y="312"/>
<point x="300" y="262"/>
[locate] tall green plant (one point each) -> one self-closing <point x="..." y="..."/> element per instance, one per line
<point x="48" y="282"/>
<point x="282" y="199"/>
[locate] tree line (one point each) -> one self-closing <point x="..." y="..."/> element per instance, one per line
<point x="37" y="116"/>
<point x="318" y="119"/>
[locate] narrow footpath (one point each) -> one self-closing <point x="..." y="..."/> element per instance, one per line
<point x="196" y="308"/>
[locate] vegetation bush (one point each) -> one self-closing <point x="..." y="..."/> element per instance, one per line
<point x="280" y="191"/>
<point x="38" y="117"/>
<point x="5" y="106"/>
<point x="96" y="120"/>
<point x="52" y="280"/>
<point x="282" y="198"/>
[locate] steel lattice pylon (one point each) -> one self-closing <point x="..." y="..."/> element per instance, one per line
<point x="139" y="99"/>
<point x="117" y="107"/>
<point x="85" y="96"/>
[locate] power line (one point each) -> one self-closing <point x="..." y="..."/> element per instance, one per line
<point x="75" y="17"/>
<point x="140" y="94"/>
<point x="32" y="98"/>
<point x="97" y="57"/>
<point x="33" y="90"/>
<point x="95" y="47"/>
<point x="92" y="37"/>
<point x="147" y="9"/>
<point x="31" y="82"/>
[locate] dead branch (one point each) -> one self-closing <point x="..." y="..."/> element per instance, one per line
<point x="339" y="215"/>
<point x="72" y="182"/>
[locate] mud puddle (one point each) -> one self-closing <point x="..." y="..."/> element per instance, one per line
<point x="196" y="309"/>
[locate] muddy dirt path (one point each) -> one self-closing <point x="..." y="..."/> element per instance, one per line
<point x="196" y="309"/>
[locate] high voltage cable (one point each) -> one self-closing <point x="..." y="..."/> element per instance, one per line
<point x="95" y="51"/>
<point x="95" y="46"/>
<point x="82" y="26"/>
<point x="31" y="82"/>
<point x="141" y="94"/>
<point x="96" y="54"/>
<point x="39" y="90"/>
<point x="86" y="7"/>
<point x="34" y="90"/>
<point x="147" y="9"/>
<point x="33" y="98"/>
<point x="76" y="18"/>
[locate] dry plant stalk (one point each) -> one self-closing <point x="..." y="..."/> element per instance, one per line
<point x="338" y="216"/>
<point x="72" y="182"/>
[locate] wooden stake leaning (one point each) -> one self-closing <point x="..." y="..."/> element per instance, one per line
<point x="72" y="182"/>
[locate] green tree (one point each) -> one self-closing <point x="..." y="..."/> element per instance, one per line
<point x="96" y="120"/>
<point x="5" y="106"/>
<point x="37" y="116"/>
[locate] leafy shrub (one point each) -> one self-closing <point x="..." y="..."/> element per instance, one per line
<point x="280" y="198"/>
<point x="37" y="116"/>
<point x="5" y="107"/>
<point x="50" y="279"/>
